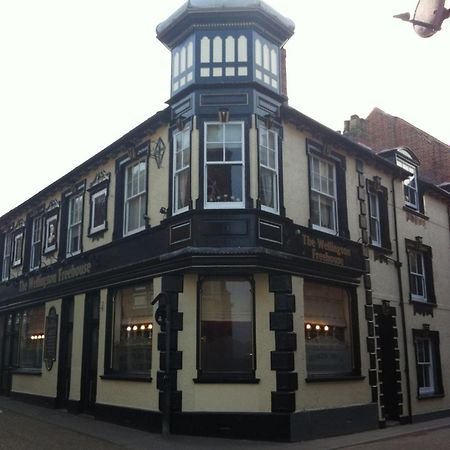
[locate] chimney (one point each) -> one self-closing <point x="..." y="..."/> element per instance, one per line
<point x="356" y="129"/>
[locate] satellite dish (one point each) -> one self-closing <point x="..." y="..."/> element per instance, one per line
<point x="429" y="16"/>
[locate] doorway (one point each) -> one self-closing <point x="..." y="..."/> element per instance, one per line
<point x="6" y="352"/>
<point x="90" y="353"/>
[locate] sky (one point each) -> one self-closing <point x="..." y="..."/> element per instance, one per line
<point x="77" y="75"/>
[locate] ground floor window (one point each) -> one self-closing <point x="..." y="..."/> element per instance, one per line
<point x="132" y="330"/>
<point x="226" y="328"/>
<point x="29" y="326"/>
<point x="328" y="330"/>
<point x="428" y="363"/>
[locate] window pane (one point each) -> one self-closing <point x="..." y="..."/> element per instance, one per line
<point x="327" y="329"/>
<point x="233" y="152"/>
<point x="214" y="152"/>
<point x="133" y="329"/>
<point x="31" y="338"/>
<point x="233" y="133"/>
<point x="214" y="133"/>
<point x="268" y="186"/>
<point x="226" y="328"/>
<point x="182" y="189"/>
<point x="99" y="210"/>
<point x="224" y="183"/>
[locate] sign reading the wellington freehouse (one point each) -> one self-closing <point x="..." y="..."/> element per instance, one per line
<point x="42" y="281"/>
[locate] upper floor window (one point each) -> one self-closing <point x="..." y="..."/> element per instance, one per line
<point x="6" y="262"/>
<point x="181" y="170"/>
<point x="18" y="248"/>
<point x="99" y="189"/>
<point x="327" y="190"/>
<point x="323" y="195"/>
<point x="420" y="272"/>
<point x="410" y="184"/>
<point x="268" y="170"/>
<point x="36" y="243"/>
<point x="135" y="197"/>
<point x="224" y="165"/>
<point x="74" y="225"/>
<point x="378" y="213"/>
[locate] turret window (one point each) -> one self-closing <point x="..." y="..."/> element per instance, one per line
<point x="223" y="56"/>
<point x="182" y="65"/>
<point x="266" y="63"/>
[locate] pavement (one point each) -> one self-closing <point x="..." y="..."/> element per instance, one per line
<point x="29" y="427"/>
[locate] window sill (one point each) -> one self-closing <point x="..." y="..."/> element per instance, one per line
<point x="413" y="211"/>
<point x="429" y="396"/>
<point x="380" y="249"/>
<point x="126" y="377"/>
<point x="226" y="380"/>
<point x="33" y="372"/>
<point x="326" y="378"/>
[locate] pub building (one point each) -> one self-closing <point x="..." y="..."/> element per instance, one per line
<point x="230" y="266"/>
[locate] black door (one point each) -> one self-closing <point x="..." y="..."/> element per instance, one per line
<point x="387" y="344"/>
<point x="6" y="354"/>
<point x="65" y="353"/>
<point x="90" y="352"/>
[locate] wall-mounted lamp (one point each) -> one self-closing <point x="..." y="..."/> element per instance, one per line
<point x="377" y="183"/>
<point x="419" y="239"/>
<point x="268" y="121"/>
<point x="157" y="150"/>
<point x="180" y="123"/>
<point x="163" y="210"/>
<point x="224" y="115"/>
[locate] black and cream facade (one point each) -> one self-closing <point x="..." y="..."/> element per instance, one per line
<point x="305" y="277"/>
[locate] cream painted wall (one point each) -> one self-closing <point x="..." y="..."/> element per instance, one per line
<point x="132" y="394"/>
<point x="253" y="150"/>
<point x="195" y="161"/>
<point x="222" y="397"/>
<point x="323" y="395"/>
<point x="45" y="384"/>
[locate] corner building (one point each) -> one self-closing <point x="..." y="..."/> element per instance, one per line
<point x="275" y="246"/>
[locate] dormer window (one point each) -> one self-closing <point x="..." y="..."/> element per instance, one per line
<point x="410" y="184"/>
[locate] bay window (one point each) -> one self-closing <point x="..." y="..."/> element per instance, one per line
<point x="268" y="170"/>
<point x="224" y="165"/>
<point x="181" y="171"/>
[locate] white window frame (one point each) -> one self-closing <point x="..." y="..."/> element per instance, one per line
<point x="375" y="218"/>
<point x="419" y="275"/>
<point x="333" y="198"/>
<point x="410" y="183"/>
<point x="94" y="229"/>
<point x="241" y="162"/>
<point x="74" y="224"/>
<point x="36" y="242"/>
<point x="185" y="139"/>
<point x="6" y="264"/>
<point x="426" y="365"/>
<point x="274" y="170"/>
<point x="17" y="249"/>
<point x="128" y="198"/>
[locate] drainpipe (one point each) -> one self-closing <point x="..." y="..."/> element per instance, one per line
<point x="398" y="266"/>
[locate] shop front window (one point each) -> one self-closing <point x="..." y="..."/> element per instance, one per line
<point x="226" y="331"/>
<point x="132" y="331"/>
<point x="31" y="324"/>
<point x="328" y="330"/>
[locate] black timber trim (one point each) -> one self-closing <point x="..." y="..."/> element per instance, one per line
<point x="282" y="360"/>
